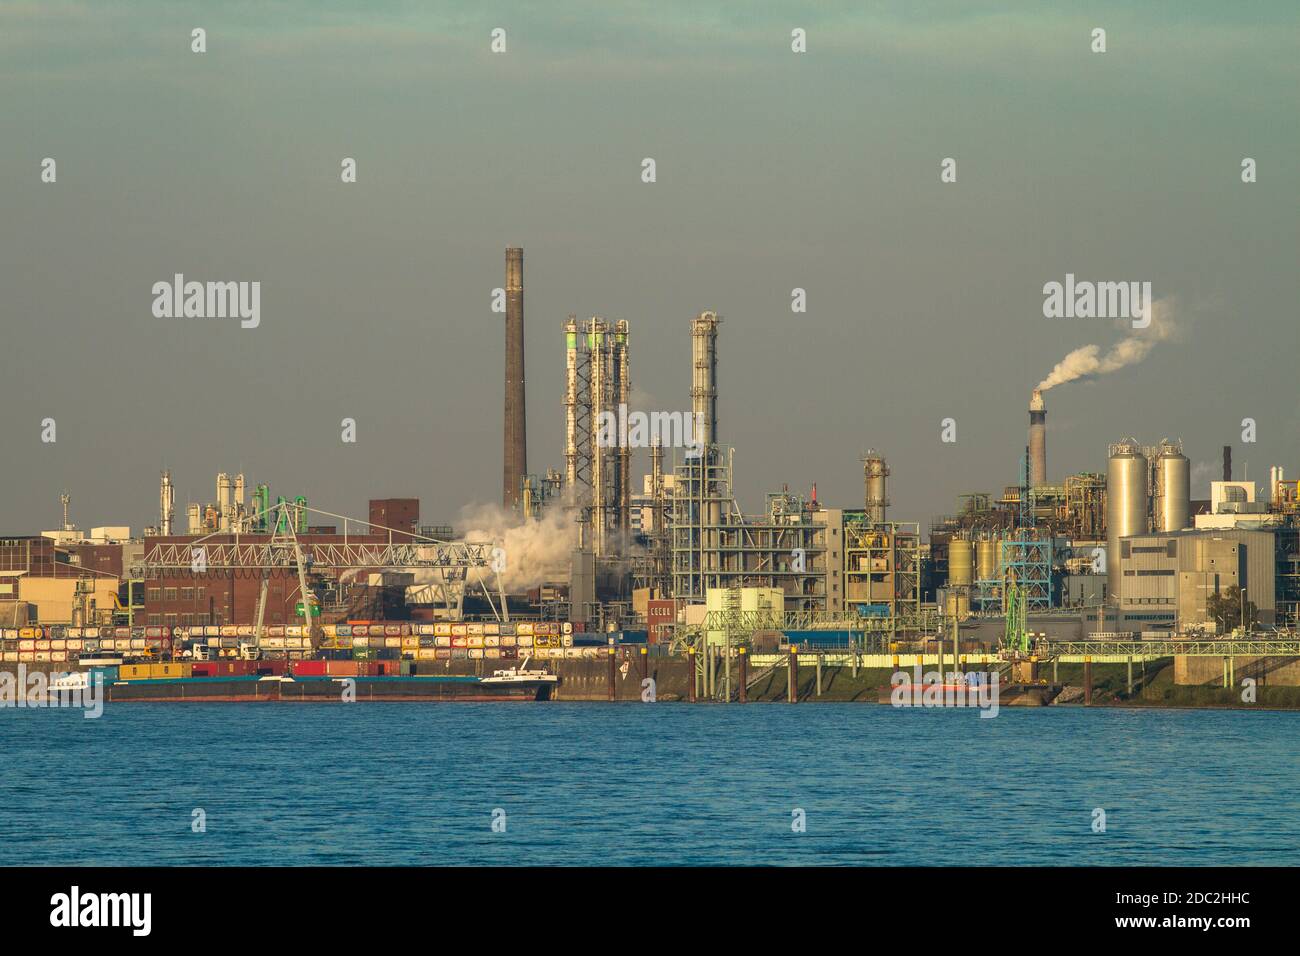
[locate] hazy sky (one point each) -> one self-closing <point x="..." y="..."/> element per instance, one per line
<point x="775" y="170"/>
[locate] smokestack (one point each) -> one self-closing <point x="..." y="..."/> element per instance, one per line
<point x="1227" y="463"/>
<point x="516" y="443"/>
<point x="166" y="496"/>
<point x="704" y="377"/>
<point x="1037" y="440"/>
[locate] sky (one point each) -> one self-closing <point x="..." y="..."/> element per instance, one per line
<point x="775" y="170"/>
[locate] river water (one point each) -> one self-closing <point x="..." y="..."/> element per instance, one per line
<point x="635" y="784"/>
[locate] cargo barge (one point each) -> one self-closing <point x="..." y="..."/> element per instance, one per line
<point x="502" y="686"/>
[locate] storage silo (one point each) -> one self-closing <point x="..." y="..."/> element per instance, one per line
<point x="959" y="562"/>
<point x="1173" y="488"/>
<point x="988" y="559"/>
<point x="1126" y="505"/>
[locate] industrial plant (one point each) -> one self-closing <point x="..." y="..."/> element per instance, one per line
<point x="591" y="560"/>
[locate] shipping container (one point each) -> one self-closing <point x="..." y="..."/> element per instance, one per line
<point x="507" y="629"/>
<point x="343" y="630"/>
<point x="26" y="644"/>
<point x="491" y="629"/>
<point x="427" y="654"/>
<point x="459" y="653"/>
<point x="26" y="656"/>
<point x="507" y="653"/>
<point x="474" y="641"/>
<point x="43" y="644"/>
<point x="524" y="629"/>
<point x="442" y="629"/>
<point x="442" y="654"/>
<point x="509" y="640"/>
<point x="410" y="642"/>
<point x="458" y="630"/>
<point x="442" y="640"/>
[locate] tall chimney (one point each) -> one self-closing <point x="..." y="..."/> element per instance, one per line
<point x="516" y="443"/>
<point x="1227" y="463"/>
<point x="1037" y="440"/>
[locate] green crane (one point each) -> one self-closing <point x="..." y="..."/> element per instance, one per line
<point x="1016" y="636"/>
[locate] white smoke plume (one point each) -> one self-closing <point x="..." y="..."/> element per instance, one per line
<point x="535" y="551"/>
<point x="1088" y="361"/>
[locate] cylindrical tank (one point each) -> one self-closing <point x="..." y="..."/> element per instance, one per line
<point x="1174" y="484"/>
<point x="1126" y="505"/>
<point x="957" y="604"/>
<point x="987" y="559"/>
<point x="959" y="562"/>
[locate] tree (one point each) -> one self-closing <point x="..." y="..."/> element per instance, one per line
<point x="1225" y="607"/>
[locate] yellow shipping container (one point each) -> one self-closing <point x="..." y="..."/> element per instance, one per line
<point x="524" y="629"/>
<point x="476" y="653"/>
<point x="410" y="642"/>
<point x="475" y="641"/>
<point x="426" y="654"/>
<point x="135" y="671"/>
<point x="442" y="630"/>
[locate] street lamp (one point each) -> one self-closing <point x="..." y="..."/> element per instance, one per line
<point x="1242" y="593"/>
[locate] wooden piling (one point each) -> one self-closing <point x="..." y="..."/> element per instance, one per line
<point x="744" y="675"/>
<point x="1087" y="680"/>
<point x="792" y="691"/>
<point x="691" y="682"/>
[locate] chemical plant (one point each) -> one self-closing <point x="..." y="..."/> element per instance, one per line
<point x="593" y="560"/>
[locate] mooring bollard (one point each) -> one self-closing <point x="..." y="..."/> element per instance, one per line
<point x="792" y="692"/>
<point x="744" y="674"/>
<point x="1087" y="680"/>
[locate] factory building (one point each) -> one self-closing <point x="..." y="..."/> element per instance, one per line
<point x="1167" y="578"/>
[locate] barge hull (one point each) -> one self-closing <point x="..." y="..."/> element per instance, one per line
<point x="324" y="690"/>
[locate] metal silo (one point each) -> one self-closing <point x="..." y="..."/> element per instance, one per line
<point x="1126" y="505"/>
<point x="1173" y="488"/>
<point x="988" y="559"/>
<point x="959" y="562"/>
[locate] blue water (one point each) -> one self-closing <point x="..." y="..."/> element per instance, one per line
<point x="407" y="783"/>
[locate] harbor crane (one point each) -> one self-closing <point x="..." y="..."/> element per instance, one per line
<point x="448" y="564"/>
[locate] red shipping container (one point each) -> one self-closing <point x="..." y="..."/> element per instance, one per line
<point x="310" y="668"/>
<point x="208" y="669"/>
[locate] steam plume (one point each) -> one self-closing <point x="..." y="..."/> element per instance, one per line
<point x="536" y="551"/>
<point x="1088" y="361"/>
